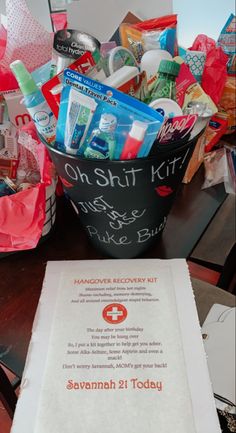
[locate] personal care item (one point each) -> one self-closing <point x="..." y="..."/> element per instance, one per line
<point x="227" y="41"/>
<point x="165" y="86"/>
<point x="118" y="57"/>
<point x="110" y="101"/>
<point x="196" y="62"/>
<point x="151" y="59"/>
<point x="188" y="89"/>
<point x="52" y="89"/>
<point x="166" y="107"/>
<point x="17" y="112"/>
<point x="134" y="140"/>
<point x="156" y="33"/>
<point x="35" y="103"/>
<point x="136" y="87"/>
<point x="69" y="45"/>
<point x="105" y="133"/>
<point x="97" y="149"/>
<point x="79" y="115"/>
<point x="121" y="76"/>
<point x="176" y="128"/>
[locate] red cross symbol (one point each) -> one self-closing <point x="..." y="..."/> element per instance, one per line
<point x="114" y="313"/>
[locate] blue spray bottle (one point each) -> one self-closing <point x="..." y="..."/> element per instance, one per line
<point x="41" y="114"/>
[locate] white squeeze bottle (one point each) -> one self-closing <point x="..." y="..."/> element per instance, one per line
<point x="37" y="106"/>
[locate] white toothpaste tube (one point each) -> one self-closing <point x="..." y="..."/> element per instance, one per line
<point x="80" y="112"/>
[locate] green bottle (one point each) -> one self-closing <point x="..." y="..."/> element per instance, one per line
<point x="165" y="86"/>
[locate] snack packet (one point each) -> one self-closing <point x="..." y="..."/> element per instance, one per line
<point x="188" y="89"/>
<point x="156" y="33"/>
<point x="227" y="41"/>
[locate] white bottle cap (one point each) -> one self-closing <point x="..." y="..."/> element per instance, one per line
<point x="138" y="130"/>
<point x="107" y="122"/>
<point x="150" y="61"/>
<point x="166" y="107"/>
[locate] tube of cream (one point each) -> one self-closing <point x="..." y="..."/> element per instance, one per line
<point x="80" y="112"/>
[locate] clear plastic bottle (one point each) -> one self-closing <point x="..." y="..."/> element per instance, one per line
<point x="106" y="133"/>
<point x="97" y="149"/>
<point x="165" y="85"/>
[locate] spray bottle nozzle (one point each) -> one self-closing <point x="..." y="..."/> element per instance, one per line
<point x="24" y="78"/>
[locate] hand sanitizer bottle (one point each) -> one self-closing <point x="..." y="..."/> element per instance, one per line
<point x="106" y="133"/>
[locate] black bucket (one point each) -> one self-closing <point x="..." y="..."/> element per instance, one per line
<point x="124" y="205"/>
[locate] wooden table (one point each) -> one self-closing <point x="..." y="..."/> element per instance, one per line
<point x="21" y="274"/>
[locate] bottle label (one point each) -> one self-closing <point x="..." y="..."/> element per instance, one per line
<point x="45" y="122"/>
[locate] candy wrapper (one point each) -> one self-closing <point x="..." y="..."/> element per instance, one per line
<point x="156" y="33"/>
<point x="227" y="41"/>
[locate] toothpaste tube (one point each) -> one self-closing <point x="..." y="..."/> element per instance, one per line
<point x="80" y="113"/>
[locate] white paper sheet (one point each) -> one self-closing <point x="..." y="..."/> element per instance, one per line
<point x="133" y="373"/>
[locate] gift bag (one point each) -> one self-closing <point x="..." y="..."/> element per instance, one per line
<point x="28" y="215"/>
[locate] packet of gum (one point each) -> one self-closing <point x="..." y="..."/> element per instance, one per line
<point x="132" y="40"/>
